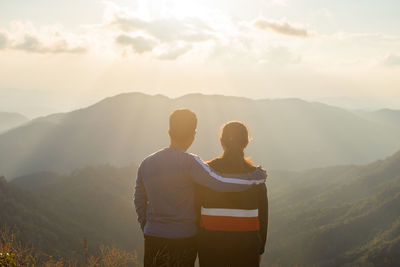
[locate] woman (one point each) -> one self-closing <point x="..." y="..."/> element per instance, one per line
<point x="233" y="226"/>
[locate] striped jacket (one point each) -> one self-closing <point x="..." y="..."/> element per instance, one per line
<point x="245" y="211"/>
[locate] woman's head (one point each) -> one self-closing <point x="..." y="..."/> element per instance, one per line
<point x="234" y="136"/>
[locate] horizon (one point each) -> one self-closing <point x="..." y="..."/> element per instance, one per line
<point x="61" y="57"/>
<point x="345" y="103"/>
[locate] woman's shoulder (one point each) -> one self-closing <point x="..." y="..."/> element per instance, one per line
<point x="223" y="165"/>
<point x="214" y="163"/>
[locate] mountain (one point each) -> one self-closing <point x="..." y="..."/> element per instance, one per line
<point x="361" y="103"/>
<point x="58" y="212"/>
<point x="37" y="220"/>
<point x="37" y="181"/>
<point x="10" y="120"/>
<point x="335" y="216"/>
<point x="384" y="116"/>
<point x="288" y="134"/>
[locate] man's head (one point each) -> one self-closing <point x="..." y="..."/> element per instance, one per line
<point x="182" y="128"/>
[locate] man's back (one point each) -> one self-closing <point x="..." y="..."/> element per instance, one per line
<point x="170" y="193"/>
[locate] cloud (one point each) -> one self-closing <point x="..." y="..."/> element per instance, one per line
<point x="33" y="44"/>
<point x="3" y="40"/>
<point x="24" y="36"/>
<point x="139" y="44"/>
<point x="169" y="38"/>
<point x="392" y="60"/>
<point x="284" y="28"/>
<point x="174" y="53"/>
<point x="29" y="43"/>
<point x="166" y="29"/>
<point x="38" y="44"/>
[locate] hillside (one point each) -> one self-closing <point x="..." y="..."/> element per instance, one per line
<point x="385" y="116"/>
<point x="98" y="200"/>
<point x="288" y="134"/>
<point x="11" y="120"/>
<point x="37" y="220"/>
<point x="91" y="203"/>
<point x="335" y="216"/>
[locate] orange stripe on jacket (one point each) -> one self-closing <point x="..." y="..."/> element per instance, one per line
<point x="232" y="224"/>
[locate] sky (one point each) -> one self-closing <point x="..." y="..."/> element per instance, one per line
<point x="61" y="55"/>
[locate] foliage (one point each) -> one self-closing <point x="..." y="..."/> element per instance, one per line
<point x="336" y="216"/>
<point x="14" y="253"/>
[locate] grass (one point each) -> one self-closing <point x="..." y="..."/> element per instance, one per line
<point x="13" y="253"/>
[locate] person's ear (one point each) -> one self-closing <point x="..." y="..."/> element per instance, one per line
<point x="169" y="133"/>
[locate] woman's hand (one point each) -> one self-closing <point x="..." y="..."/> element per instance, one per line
<point x="264" y="170"/>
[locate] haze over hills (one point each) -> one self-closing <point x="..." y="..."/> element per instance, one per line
<point x="337" y="216"/>
<point x="386" y="116"/>
<point x="288" y="134"/>
<point x="11" y="120"/>
<point x="367" y="103"/>
<point x="334" y="216"/>
<point x="38" y="221"/>
<point x="57" y="212"/>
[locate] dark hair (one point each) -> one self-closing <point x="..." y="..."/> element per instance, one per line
<point x="235" y="137"/>
<point x="182" y="124"/>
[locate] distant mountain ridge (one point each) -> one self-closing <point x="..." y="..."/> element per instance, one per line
<point x="10" y="120"/>
<point x="386" y="116"/>
<point x="288" y="133"/>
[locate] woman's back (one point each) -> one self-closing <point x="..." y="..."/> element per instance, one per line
<point x="233" y="225"/>
<point x="229" y="211"/>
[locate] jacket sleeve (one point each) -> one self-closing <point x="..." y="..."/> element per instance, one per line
<point x="140" y="199"/>
<point x="263" y="214"/>
<point x="202" y="174"/>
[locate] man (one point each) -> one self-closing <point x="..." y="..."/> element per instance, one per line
<point x="164" y="194"/>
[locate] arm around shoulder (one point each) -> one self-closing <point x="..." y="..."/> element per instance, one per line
<point x="202" y="174"/>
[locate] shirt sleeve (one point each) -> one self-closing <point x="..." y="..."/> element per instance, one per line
<point x="263" y="214"/>
<point x="140" y="199"/>
<point x="202" y="174"/>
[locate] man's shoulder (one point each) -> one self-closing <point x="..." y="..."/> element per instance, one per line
<point x="152" y="157"/>
<point x="166" y="154"/>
